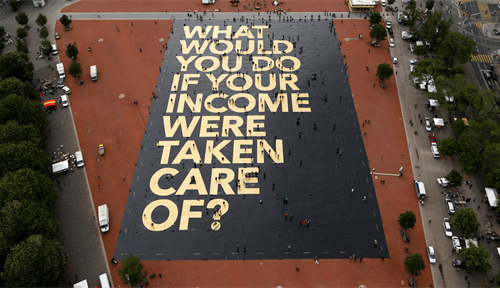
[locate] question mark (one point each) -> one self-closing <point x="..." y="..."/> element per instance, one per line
<point x="224" y="206"/>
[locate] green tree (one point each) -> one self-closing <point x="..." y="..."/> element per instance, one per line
<point x="75" y="69"/>
<point x="378" y="32"/>
<point x="456" y="47"/>
<point x="455" y="178"/>
<point x="375" y="18"/>
<point x="21" y="33"/>
<point x="44" y="33"/>
<point x="2" y="32"/>
<point x="45" y="47"/>
<point x="457" y="69"/>
<point x="12" y="132"/>
<point x="466" y="221"/>
<point x="24" y="111"/>
<point x="21" y="219"/>
<point x="477" y="259"/>
<point x="384" y="72"/>
<point x="26" y="184"/>
<point x="414" y="264"/>
<point x="15" y="86"/>
<point x="420" y="50"/>
<point x="429" y="4"/>
<point x="41" y="20"/>
<point x="132" y="267"/>
<point x="435" y="28"/>
<point x="390" y="2"/>
<point x="413" y="14"/>
<point x="36" y="262"/>
<point x="2" y="46"/>
<point x="470" y="160"/>
<point x="16" y="64"/>
<point x="458" y="127"/>
<point x="21" y="47"/>
<point x="492" y="178"/>
<point x="72" y="51"/>
<point x="433" y="67"/>
<point x="14" y="4"/>
<point x="65" y="20"/>
<point x="22" y="19"/>
<point x="22" y="155"/>
<point x="449" y="146"/>
<point x="407" y="220"/>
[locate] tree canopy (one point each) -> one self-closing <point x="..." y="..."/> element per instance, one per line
<point x="15" y="86"/>
<point x="477" y="259"/>
<point x="22" y="155"/>
<point x="26" y="184"/>
<point x="12" y="132"/>
<point x="465" y="221"/>
<point x="384" y="72"/>
<point x="72" y="51"/>
<point x="414" y="264"/>
<point x="456" y="47"/>
<point x="407" y="220"/>
<point x="21" y="219"/>
<point x="21" y="47"/>
<point x="16" y="64"/>
<point x="455" y="178"/>
<point x="132" y="267"/>
<point x="41" y="20"/>
<point x="420" y="50"/>
<point x="22" y="110"/>
<point x="35" y="262"/>
<point x="44" y="33"/>
<point x="65" y="20"/>
<point x="22" y="19"/>
<point x="75" y="69"/>
<point x="21" y="33"/>
<point x="46" y="47"/>
<point x="378" y="32"/>
<point x="375" y="18"/>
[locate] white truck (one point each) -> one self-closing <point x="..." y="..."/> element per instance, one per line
<point x="93" y="72"/>
<point x="103" y="218"/>
<point x="60" y="167"/>
<point x="60" y="70"/>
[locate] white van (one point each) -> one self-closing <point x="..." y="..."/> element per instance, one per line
<point x="64" y="102"/>
<point x="54" y="49"/>
<point x="103" y="278"/>
<point x="93" y="72"/>
<point x="450" y="206"/>
<point x="420" y="187"/>
<point x="79" y="159"/>
<point x="383" y="3"/>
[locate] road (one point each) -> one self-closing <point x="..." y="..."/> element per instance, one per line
<point x="427" y="169"/>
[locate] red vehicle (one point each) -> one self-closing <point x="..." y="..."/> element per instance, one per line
<point x="433" y="140"/>
<point x="50" y="105"/>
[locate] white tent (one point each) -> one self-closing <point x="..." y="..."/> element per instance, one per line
<point x="439" y="122"/>
<point x="492" y="195"/>
<point x="81" y="284"/>
<point x="433" y="102"/>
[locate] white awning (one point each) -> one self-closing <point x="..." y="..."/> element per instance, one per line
<point x="81" y="284"/>
<point x="433" y="102"/>
<point x="439" y="122"/>
<point x="492" y="195"/>
<point x="60" y="166"/>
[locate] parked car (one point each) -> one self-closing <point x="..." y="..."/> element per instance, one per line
<point x="432" y="138"/>
<point x="64" y="101"/>
<point x="388" y="24"/>
<point x="456" y="243"/>
<point x="435" y="152"/>
<point x="394" y="60"/>
<point x="391" y="42"/>
<point x="447" y="227"/>
<point x="390" y="31"/>
<point x="458" y="263"/>
<point x="428" y="125"/>
<point x="414" y="61"/>
<point x="443" y="182"/>
<point x="487" y="75"/>
<point x="57" y="36"/>
<point x="450" y="206"/>
<point x="431" y="254"/>
<point x="66" y="90"/>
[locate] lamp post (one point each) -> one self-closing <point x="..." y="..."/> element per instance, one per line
<point x="95" y="155"/>
<point x="128" y="280"/>
<point x="401" y="169"/>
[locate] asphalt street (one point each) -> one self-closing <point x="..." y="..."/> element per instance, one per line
<point x="74" y="210"/>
